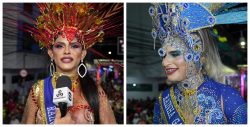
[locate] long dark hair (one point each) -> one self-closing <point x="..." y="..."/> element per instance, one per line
<point x="90" y="92"/>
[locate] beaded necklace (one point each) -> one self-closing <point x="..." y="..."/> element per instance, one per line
<point x="74" y="78"/>
<point x="189" y="86"/>
<point x="75" y="85"/>
<point x="188" y="90"/>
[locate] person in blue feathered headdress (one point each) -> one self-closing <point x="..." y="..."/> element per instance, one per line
<point x="191" y="59"/>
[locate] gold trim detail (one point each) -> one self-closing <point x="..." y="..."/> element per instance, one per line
<point x="41" y="85"/>
<point x="176" y="105"/>
<point x="162" y="110"/>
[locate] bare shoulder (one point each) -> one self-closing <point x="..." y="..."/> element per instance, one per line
<point x="32" y="103"/>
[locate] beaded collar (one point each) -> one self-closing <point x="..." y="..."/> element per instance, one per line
<point x="190" y="85"/>
<point x="74" y="78"/>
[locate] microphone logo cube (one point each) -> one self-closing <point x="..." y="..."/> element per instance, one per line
<point x="60" y="93"/>
<point x="70" y="97"/>
<point x="63" y="94"/>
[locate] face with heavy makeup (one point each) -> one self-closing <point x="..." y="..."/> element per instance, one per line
<point x="67" y="55"/>
<point x="175" y="59"/>
<point x="173" y="62"/>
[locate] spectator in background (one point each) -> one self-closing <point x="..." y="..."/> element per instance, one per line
<point x="140" y="111"/>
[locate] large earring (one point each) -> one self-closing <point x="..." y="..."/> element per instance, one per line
<point x="85" y="68"/>
<point x="51" y="67"/>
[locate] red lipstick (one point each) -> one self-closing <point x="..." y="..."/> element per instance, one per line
<point x="67" y="59"/>
<point x="170" y="71"/>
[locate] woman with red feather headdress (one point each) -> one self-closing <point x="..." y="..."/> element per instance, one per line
<point x="67" y="30"/>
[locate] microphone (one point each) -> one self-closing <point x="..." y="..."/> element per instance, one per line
<point x="63" y="96"/>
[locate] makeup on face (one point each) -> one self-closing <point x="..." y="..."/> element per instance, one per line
<point x="72" y="45"/>
<point x="171" y="55"/>
<point x="67" y="55"/>
<point x="174" y="64"/>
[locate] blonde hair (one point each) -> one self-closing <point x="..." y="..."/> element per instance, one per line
<point x="212" y="65"/>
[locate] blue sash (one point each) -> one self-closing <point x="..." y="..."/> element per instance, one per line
<point x="48" y="101"/>
<point x="169" y="108"/>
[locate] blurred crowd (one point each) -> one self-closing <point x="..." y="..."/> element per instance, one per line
<point x="13" y="103"/>
<point x="12" y="107"/>
<point x="114" y="91"/>
<point x="140" y="111"/>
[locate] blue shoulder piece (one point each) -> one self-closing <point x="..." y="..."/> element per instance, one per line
<point x="235" y="106"/>
<point x="157" y="113"/>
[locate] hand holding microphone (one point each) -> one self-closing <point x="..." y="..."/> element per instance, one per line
<point x="64" y="120"/>
<point x="63" y="96"/>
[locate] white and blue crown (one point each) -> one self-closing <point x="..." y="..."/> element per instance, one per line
<point x="183" y="18"/>
<point x="179" y="18"/>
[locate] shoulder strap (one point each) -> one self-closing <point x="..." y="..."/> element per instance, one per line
<point x="169" y="108"/>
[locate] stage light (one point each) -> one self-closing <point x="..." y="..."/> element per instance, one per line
<point x="242" y="41"/>
<point x="134" y="85"/>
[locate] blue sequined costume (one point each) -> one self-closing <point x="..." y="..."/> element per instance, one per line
<point x="197" y="99"/>
<point x="218" y="104"/>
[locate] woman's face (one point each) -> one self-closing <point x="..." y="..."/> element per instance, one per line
<point x="67" y="55"/>
<point x="174" y="64"/>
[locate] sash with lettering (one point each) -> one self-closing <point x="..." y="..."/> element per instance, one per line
<point x="169" y="112"/>
<point x="48" y="99"/>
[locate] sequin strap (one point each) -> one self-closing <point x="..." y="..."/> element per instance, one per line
<point x="46" y="96"/>
<point x="35" y="93"/>
<point x="176" y="105"/>
<point x="171" y="114"/>
<point x="41" y="96"/>
<point x="49" y="106"/>
<point x="79" y="107"/>
<point x="162" y="110"/>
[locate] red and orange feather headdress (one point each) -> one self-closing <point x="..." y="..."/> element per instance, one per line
<point x="86" y="21"/>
